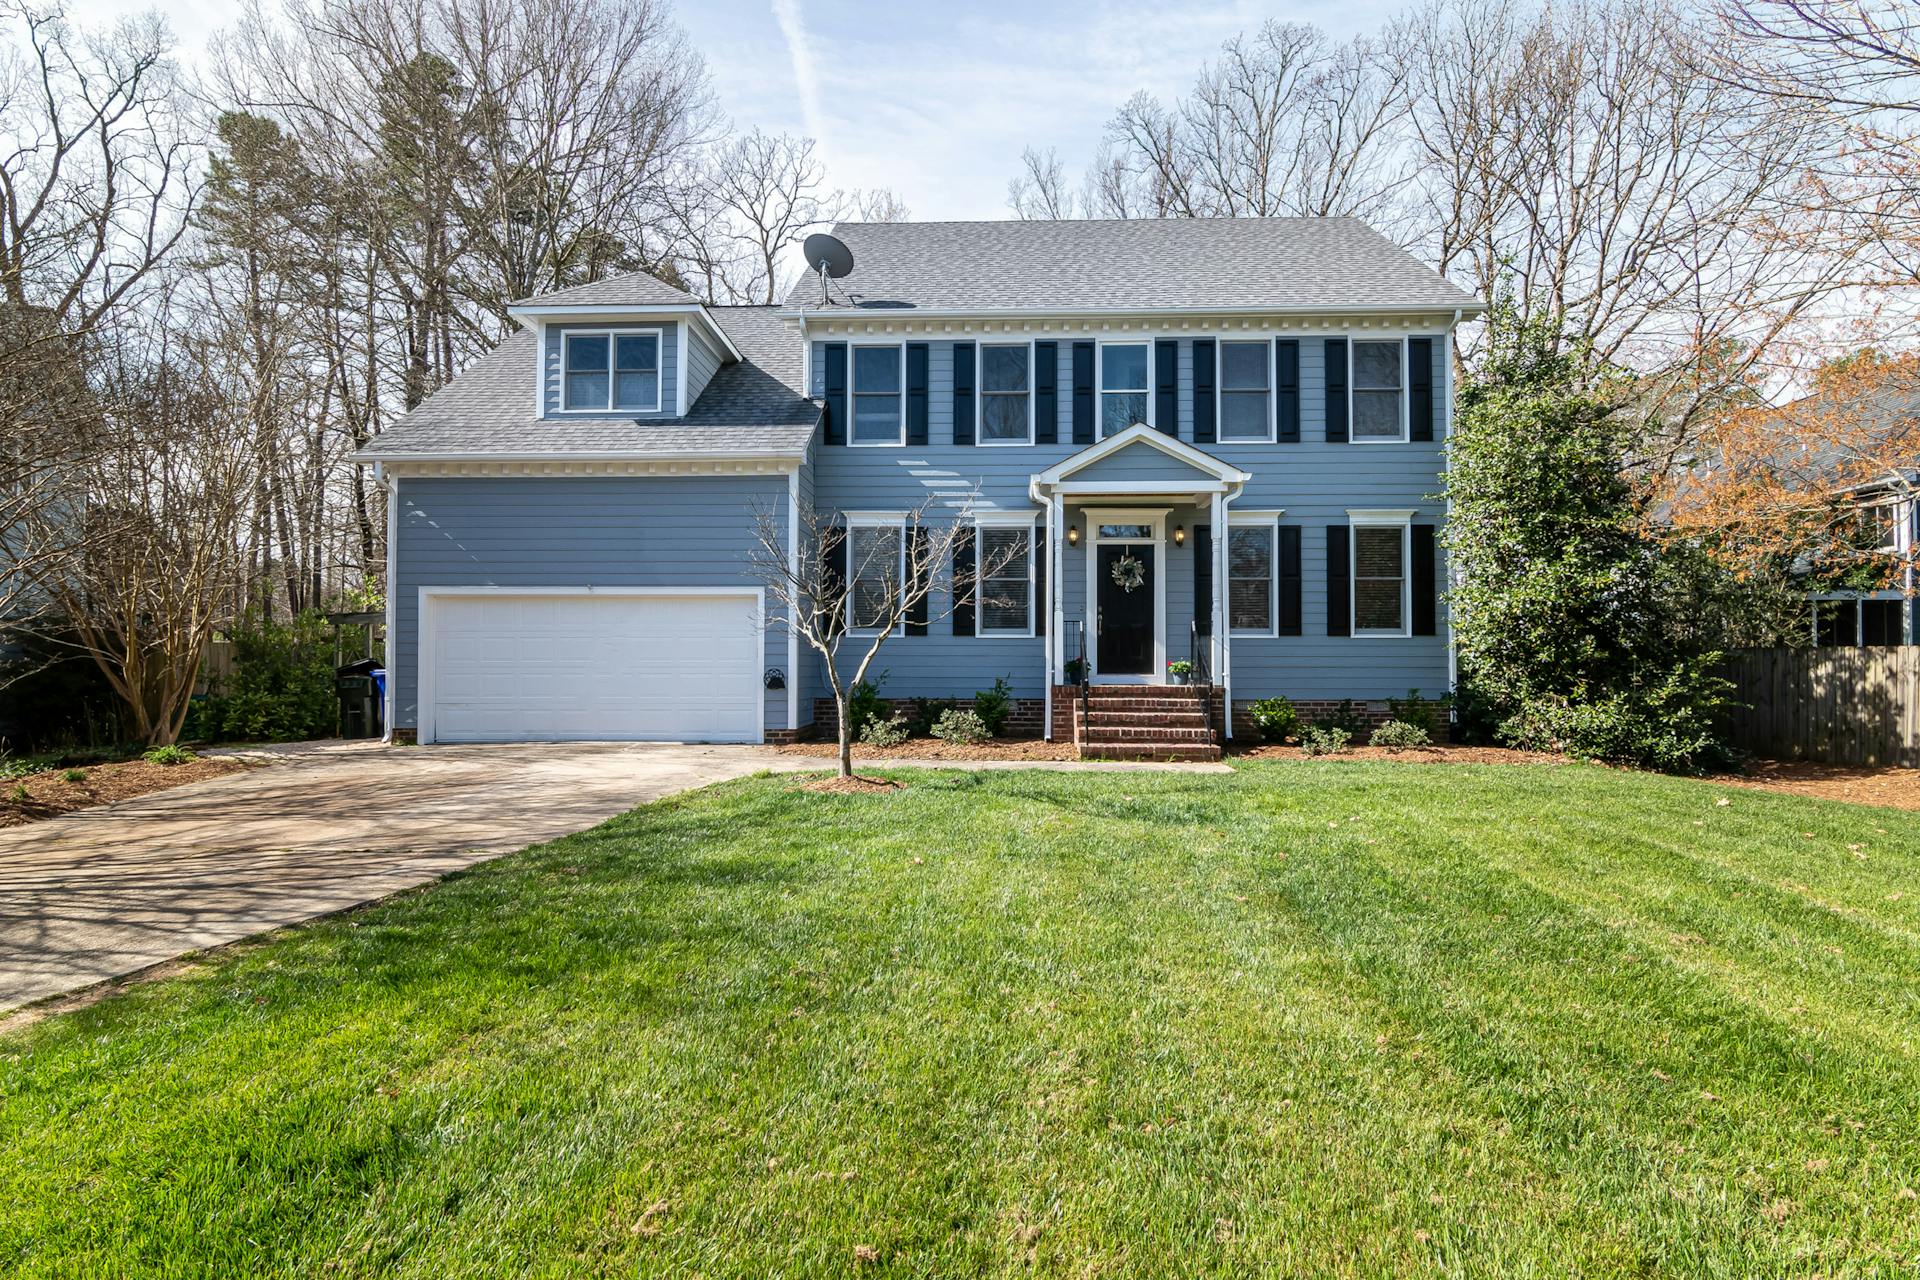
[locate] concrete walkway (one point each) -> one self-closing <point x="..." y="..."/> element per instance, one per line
<point x="321" y="827"/>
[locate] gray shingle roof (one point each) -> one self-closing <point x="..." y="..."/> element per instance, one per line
<point x="1282" y="264"/>
<point x="751" y="406"/>
<point x="634" y="289"/>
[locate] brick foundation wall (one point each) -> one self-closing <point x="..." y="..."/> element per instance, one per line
<point x="1372" y="714"/>
<point x="1026" y="718"/>
<point x="787" y="737"/>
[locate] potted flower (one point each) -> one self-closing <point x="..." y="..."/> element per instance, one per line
<point x="1179" y="670"/>
<point x="1076" y="668"/>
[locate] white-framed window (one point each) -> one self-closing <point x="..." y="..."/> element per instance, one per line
<point x="875" y="388"/>
<point x="1377" y="391"/>
<point x="876" y="569"/>
<point x="1004" y="552"/>
<point x="1252" y="554"/>
<point x="1246" y="390"/>
<point x="1006" y="393"/>
<point x="603" y="370"/>
<point x="1379" y="558"/>
<point x="1126" y="375"/>
<point x="1880" y="525"/>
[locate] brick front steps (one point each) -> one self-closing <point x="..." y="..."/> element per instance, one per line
<point x="1144" y="722"/>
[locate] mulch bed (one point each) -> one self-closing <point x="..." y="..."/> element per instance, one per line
<point x="1412" y="755"/>
<point x="856" y="785"/>
<point x="1857" y="784"/>
<point x="940" y="749"/>
<point x="49" y="794"/>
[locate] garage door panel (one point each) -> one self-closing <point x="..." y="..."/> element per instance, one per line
<point x="587" y="667"/>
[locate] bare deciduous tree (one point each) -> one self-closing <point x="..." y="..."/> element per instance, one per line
<point x="96" y="181"/>
<point x="841" y="585"/>
<point x="1287" y="123"/>
<point x="167" y="479"/>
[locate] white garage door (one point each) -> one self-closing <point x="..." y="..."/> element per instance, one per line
<point x="655" y="668"/>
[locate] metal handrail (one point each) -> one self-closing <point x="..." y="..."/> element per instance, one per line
<point x="1202" y="674"/>
<point x="1079" y="665"/>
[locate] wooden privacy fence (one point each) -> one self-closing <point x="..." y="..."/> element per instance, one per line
<point x="1841" y="706"/>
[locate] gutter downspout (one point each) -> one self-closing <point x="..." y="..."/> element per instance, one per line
<point x="1446" y="460"/>
<point x="390" y="483"/>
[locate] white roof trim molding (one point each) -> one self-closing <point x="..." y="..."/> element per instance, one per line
<point x="530" y="314"/>
<point x="1141" y="434"/>
<point x="578" y="464"/>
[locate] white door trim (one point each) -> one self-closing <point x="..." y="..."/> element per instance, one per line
<point x="1157" y="518"/>
<point x="423" y="632"/>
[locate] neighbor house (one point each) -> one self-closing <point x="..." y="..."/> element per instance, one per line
<point x="1216" y="441"/>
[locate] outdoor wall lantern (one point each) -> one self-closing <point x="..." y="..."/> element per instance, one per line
<point x="776" y="678"/>
<point x="1179" y="535"/>
<point x="1073" y="535"/>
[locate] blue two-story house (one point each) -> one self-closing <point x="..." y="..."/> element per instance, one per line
<point x="1217" y="440"/>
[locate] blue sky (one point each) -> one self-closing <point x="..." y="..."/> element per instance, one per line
<point x="932" y="101"/>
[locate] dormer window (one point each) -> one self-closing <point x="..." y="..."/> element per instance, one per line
<point x="612" y="371"/>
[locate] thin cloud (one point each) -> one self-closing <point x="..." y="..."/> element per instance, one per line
<point x="806" y="75"/>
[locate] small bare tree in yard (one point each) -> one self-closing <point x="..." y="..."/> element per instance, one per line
<point x="859" y="585"/>
<point x="163" y="490"/>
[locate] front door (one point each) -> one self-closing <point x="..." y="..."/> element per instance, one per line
<point x="1126" y="595"/>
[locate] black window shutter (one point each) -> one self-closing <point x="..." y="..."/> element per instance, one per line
<point x="963" y="582"/>
<point x="963" y="393"/>
<point x="1166" y="386"/>
<point x="916" y="564"/>
<point x="1203" y="578"/>
<point x="1046" y="392"/>
<point x="836" y="358"/>
<point x="1204" y="367"/>
<point x="917" y="396"/>
<point x="1426" y="582"/>
<point x="1337" y="393"/>
<point x="1040" y="609"/>
<point x="1286" y="363"/>
<point x="836" y="545"/>
<point x="1339" y="583"/>
<point x="1420" y="392"/>
<point x="1083" y="393"/>
<point x="1288" y="571"/>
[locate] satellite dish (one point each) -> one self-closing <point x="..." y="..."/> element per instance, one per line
<point x="827" y="255"/>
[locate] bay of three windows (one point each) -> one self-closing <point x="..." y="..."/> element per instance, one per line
<point x="1245" y="389"/>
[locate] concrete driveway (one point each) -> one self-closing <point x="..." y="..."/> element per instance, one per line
<point x="105" y="892"/>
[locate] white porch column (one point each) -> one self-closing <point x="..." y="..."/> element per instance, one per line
<point x="1053" y="631"/>
<point x="1223" y="640"/>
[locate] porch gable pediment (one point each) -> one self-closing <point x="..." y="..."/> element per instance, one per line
<point x="1142" y="456"/>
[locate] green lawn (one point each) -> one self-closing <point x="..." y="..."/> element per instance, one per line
<point x="1308" y="1019"/>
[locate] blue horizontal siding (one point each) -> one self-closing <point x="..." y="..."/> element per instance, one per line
<point x="693" y="531"/>
<point x="1312" y="482"/>
<point x="669" y="367"/>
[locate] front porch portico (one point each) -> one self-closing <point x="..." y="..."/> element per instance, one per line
<point x="1133" y="536"/>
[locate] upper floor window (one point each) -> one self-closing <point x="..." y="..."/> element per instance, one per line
<point x="1380" y="579"/>
<point x="877" y="416"/>
<point x="1880" y="526"/>
<point x="1123" y="386"/>
<point x="1245" y="412"/>
<point x="1005" y="395"/>
<point x="1006" y="580"/>
<point x="877" y="572"/>
<point x="1379" y="391"/>
<point x="613" y="370"/>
